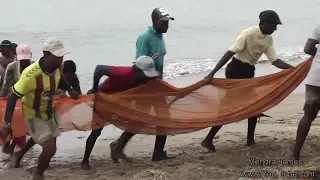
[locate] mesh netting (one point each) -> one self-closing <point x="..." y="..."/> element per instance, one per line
<point x="157" y="108"/>
<point x="160" y="109"/>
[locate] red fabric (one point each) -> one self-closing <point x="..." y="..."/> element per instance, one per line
<point x="20" y="141"/>
<point x="120" y="78"/>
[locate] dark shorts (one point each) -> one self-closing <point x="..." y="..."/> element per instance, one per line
<point x="312" y="97"/>
<point x="239" y="70"/>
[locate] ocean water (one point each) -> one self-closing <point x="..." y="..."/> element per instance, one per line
<point x="105" y="31"/>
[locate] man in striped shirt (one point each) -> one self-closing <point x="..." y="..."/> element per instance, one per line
<point x="37" y="86"/>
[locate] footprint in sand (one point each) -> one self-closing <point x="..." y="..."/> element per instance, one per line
<point x="280" y="121"/>
<point x="229" y="140"/>
<point x="263" y="136"/>
<point x="216" y="137"/>
<point x="6" y="159"/>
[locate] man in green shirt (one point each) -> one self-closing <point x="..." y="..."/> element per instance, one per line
<point x="150" y="43"/>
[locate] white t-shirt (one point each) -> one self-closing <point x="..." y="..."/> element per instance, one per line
<point x="313" y="77"/>
<point x="251" y="44"/>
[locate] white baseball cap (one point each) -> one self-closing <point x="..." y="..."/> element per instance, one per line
<point x="146" y="64"/>
<point x="23" y="52"/>
<point x="55" y="47"/>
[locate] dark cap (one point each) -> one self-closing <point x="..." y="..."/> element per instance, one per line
<point x="5" y="44"/>
<point x="14" y="45"/>
<point x="160" y="14"/>
<point x="270" y="15"/>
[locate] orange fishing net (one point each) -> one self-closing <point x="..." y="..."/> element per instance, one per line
<point x="73" y="115"/>
<point x="158" y="108"/>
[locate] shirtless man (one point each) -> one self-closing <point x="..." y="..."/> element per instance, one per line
<point x="312" y="94"/>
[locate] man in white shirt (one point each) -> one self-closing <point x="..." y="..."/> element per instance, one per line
<point x="312" y="95"/>
<point x="245" y="53"/>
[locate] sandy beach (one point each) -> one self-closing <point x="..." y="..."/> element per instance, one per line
<point x="274" y="141"/>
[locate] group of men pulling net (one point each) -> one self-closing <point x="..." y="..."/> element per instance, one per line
<point x="137" y="100"/>
<point x="158" y="108"/>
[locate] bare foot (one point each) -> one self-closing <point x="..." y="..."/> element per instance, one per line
<point x="114" y="155"/>
<point x="208" y="146"/>
<point x="295" y="156"/>
<point x="85" y="166"/>
<point x="38" y="177"/>
<point x="250" y="142"/>
<point x="17" y="159"/>
<point x="162" y="156"/>
<point x="124" y="157"/>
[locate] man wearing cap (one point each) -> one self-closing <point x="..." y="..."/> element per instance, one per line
<point x="312" y="94"/>
<point x="7" y="54"/>
<point x="11" y="76"/>
<point x="120" y="78"/>
<point x="6" y="58"/>
<point x="149" y="43"/>
<point x="245" y="52"/>
<point x="14" y="49"/>
<point x="69" y="73"/>
<point x="36" y="87"/>
<point x="14" y="69"/>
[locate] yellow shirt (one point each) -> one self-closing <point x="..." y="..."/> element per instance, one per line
<point x="37" y="90"/>
<point x="251" y="44"/>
